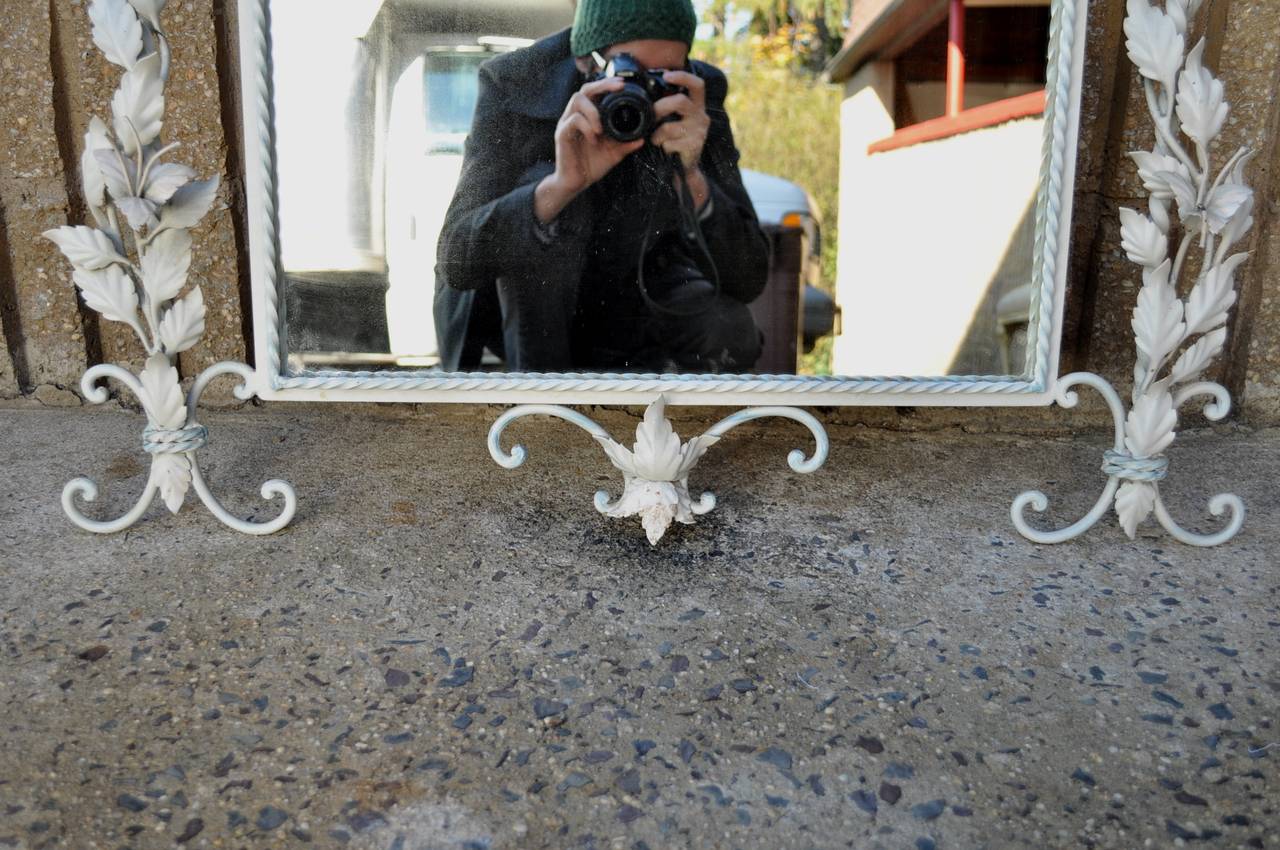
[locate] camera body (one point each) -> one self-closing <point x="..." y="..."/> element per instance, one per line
<point x="627" y="114"/>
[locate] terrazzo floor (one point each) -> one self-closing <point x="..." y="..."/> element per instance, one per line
<point x="442" y="654"/>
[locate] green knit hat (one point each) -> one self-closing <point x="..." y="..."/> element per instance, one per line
<point x="600" y="23"/>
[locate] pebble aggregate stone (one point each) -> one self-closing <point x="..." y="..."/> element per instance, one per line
<point x="864" y="661"/>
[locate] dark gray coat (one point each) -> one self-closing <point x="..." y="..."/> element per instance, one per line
<point x="490" y="231"/>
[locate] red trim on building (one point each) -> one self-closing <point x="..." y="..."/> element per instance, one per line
<point x="987" y="115"/>
<point x="955" y="58"/>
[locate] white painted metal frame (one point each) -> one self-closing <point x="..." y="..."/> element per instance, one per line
<point x="1053" y="218"/>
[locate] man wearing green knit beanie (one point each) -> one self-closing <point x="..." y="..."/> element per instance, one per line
<point x="572" y="244"/>
<point x="598" y="24"/>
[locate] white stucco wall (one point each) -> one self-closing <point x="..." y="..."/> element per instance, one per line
<point x="926" y="232"/>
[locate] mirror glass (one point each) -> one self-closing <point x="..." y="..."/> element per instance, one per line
<point x="863" y="202"/>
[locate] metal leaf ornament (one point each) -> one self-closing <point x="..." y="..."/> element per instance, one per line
<point x="142" y="267"/>
<point x="133" y="266"/>
<point x="656" y="473"/>
<point x="1193" y="206"/>
<point x="1176" y="340"/>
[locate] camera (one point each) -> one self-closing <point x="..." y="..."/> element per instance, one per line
<point x="627" y="114"/>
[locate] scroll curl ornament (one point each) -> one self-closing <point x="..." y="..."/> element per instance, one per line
<point x="132" y="267"/>
<point x="656" y="469"/>
<point x="1195" y="208"/>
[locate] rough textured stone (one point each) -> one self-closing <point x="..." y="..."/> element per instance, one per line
<point x="8" y="378"/>
<point x="51" y="396"/>
<point x="1250" y="71"/>
<point x="47" y="326"/>
<point x="858" y="600"/>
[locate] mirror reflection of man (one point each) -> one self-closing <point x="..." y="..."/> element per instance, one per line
<point x="565" y="249"/>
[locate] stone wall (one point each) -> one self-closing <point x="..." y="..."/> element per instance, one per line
<point x="54" y="78"/>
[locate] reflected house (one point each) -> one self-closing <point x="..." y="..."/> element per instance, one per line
<point x="941" y="136"/>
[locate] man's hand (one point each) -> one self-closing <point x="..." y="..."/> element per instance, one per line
<point x="687" y="136"/>
<point x="584" y="154"/>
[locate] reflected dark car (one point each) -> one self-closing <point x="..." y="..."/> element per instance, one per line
<point x="793" y="311"/>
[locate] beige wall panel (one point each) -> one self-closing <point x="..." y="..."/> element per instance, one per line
<point x="1248" y="63"/>
<point x="8" y="379"/>
<point x="33" y="198"/>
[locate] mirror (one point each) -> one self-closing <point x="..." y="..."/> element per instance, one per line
<point x="865" y="202"/>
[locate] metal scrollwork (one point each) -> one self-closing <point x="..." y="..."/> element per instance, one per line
<point x="656" y="470"/>
<point x="1193" y="207"/>
<point x="132" y="267"/>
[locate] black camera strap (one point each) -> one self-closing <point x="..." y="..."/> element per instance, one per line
<point x="690" y="233"/>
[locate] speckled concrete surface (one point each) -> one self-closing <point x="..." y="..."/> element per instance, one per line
<point x="442" y="654"/>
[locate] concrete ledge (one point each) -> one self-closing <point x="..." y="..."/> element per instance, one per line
<point x="441" y="652"/>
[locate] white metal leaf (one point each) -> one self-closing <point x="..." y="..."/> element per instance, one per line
<point x="1143" y="242"/>
<point x="1177" y="12"/>
<point x="150" y="10"/>
<point x="1239" y="223"/>
<point x="1148" y="430"/>
<point x="95" y="186"/>
<point x="109" y="291"/>
<point x="1159" y="213"/>
<point x="1212" y="296"/>
<point x="1225" y="203"/>
<point x="85" y="247"/>
<point x="165" y="265"/>
<point x="117" y="172"/>
<point x="163" y="395"/>
<point x="620" y="456"/>
<point x="692" y="452"/>
<point x="139" y="211"/>
<point x="1134" y="503"/>
<point x="172" y="474"/>
<point x="657" y="450"/>
<point x="1153" y="42"/>
<point x="1184" y="193"/>
<point x="164" y="179"/>
<point x="1140" y="366"/>
<point x="1201" y="107"/>
<point x="116" y="31"/>
<point x="657" y="502"/>
<point x="656" y="519"/>
<point x="1150" y="166"/>
<point x="183" y="323"/>
<point x="1198" y="356"/>
<point x="91" y="177"/>
<point x="189" y="204"/>
<point x="138" y="105"/>
<point x="1157" y="319"/>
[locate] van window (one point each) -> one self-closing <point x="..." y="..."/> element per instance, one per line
<point x="452" y="86"/>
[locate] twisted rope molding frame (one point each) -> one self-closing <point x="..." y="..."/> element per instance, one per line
<point x="1052" y="216"/>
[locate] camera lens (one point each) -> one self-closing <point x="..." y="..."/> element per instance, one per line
<point x="627" y="115"/>
<point x="626" y="120"/>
